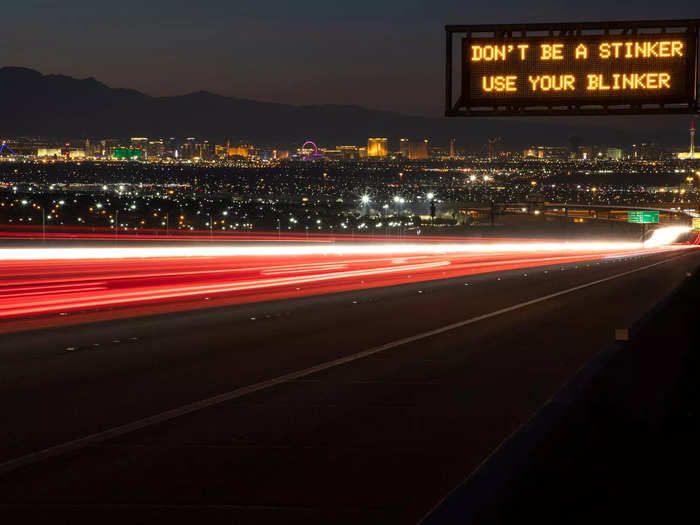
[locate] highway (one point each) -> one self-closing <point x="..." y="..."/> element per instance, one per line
<point x="356" y="401"/>
<point x="89" y="283"/>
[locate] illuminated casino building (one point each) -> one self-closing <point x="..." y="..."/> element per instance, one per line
<point x="418" y="149"/>
<point x="349" y="152"/>
<point x="128" y="154"/>
<point x="377" y="147"/>
<point x="552" y="152"/>
<point x="614" y="153"/>
<point x="192" y="149"/>
<point x="238" y="151"/>
<point x="403" y="147"/>
<point x="139" y="143"/>
<point x="48" y="152"/>
<point x="155" y="149"/>
<point x="691" y="153"/>
<point x="414" y="149"/>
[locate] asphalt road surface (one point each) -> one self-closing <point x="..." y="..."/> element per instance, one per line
<point x="368" y="405"/>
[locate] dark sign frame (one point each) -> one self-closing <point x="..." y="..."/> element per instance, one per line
<point x="464" y="107"/>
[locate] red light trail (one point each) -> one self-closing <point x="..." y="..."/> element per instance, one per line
<point x="138" y="280"/>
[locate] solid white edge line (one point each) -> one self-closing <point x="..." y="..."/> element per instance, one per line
<point x="70" y="446"/>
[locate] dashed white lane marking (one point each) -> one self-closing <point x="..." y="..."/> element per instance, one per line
<point x="92" y="439"/>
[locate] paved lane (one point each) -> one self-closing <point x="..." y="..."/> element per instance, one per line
<point x="381" y="437"/>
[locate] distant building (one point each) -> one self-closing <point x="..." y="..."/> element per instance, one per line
<point x="267" y="154"/>
<point x="203" y="150"/>
<point x="585" y="152"/>
<point x="545" y="152"/>
<point x="185" y="150"/>
<point x="139" y="143"/>
<point x="48" y="152"/>
<point x="691" y="154"/>
<point x="418" y="149"/>
<point x="155" y="149"/>
<point x="377" y="147"/>
<point x="646" y="151"/>
<point x="128" y="154"/>
<point x="76" y="154"/>
<point x="238" y="151"/>
<point x="453" y="151"/>
<point x="108" y="147"/>
<point x="614" y="153"/>
<point x="403" y="147"/>
<point x="333" y="154"/>
<point x="349" y="152"/>
<point x="494" y="146"/>
<point x="192" y="149"/>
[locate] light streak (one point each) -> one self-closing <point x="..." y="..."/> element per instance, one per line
<point x="84" y="278"/>
<point x="664" y="236"/>
<point x="35" y="254"/>
<point x="188" y="291"/>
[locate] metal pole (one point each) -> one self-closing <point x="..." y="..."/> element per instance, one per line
<point x="448" y="70"/>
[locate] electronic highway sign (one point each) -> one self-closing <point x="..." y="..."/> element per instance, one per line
<point x="643" y="217"/>
<point x="565" y="69"/>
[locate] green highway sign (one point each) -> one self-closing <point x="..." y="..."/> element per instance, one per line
<point x="696" y="223"/>
<point x="643" y="217"/>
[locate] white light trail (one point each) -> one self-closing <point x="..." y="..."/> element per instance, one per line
<point x="664" y="236"/>
<point x="660" y="238"/>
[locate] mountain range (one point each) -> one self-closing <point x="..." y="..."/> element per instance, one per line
<point x="34" y="104"/>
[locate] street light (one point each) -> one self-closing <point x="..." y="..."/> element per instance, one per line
<point x="431" y="198"/>
<point x="365" y="199"/>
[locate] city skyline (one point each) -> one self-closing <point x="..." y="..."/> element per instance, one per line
<point x="62" y="106"/>
<point x="365" y="262"/>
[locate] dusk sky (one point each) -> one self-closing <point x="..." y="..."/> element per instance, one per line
<point x="385" y="55"/>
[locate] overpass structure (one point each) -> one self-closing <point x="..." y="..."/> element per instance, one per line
<point x="603" y="211"/>
<point x="577" y="211"/>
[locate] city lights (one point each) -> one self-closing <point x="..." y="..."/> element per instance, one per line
<point x="277" y="287"/>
